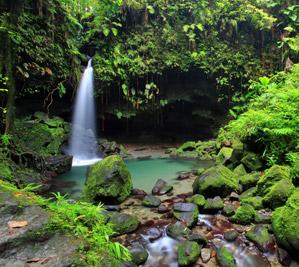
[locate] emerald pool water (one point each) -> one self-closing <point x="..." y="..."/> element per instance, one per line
<point x="144" y="174"/>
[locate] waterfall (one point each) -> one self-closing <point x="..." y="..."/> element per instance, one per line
<point x="83" y="143"/>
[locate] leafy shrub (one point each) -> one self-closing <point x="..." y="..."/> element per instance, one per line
<point x="271" y="120"/>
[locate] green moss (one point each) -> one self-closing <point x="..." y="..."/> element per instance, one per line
<point x="199" y="200"/>
<point x="250" y="192"/>
<point x="225" y="258"/>
<point x="224" y="155"/>
<point x="278" y="193"/>
<point x="216" y="181"/>
<point x="259" y="235"/>
<point x="252" y="161"/>
<point x="272" y="175"/>
<point x="244" y="214"/>
<point x="188" y="253"/>
<point x="5" y="171"/>
<point x="285" y="223"/>
<point x="256" y="202"/>
<point x="239" y="170"/>
<point x="108" y="179"/>
<point x="249" y="180"/>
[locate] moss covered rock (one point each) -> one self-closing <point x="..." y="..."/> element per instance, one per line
<point x="214" y="204"/>
<point x="244" y="214"/>
<point x="224" y="155"/>
<point x="240" y="171"/>
<point x="123" y="223"/>
<point x="285" y="223"/>
<point x="216" y="181"/>
<point x="198" y="200"/>
<point x="225" y="258"/>
<point x="186" y="212"/>
<point x="271" y="176"/>
<point x="256" y="202"/>
<point x="252" y="162"/>
<point x="188" y="253"/>
<point x="108" y="181"/>
<point x="278" y="193"/>
<point x="177" y="230"/>
<point x="151" y="201"/>
<point x="249" y="180"/>
<point x="259" y="235"/>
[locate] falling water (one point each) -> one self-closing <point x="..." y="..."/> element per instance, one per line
<point x="83" y="144"/>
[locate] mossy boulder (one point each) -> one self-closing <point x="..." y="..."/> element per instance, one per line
<point x="224" y="155"/>
<point x="278" y="193"/>
<point x="108" y="181"/>
<point x="256" y="202"/>
<point x="250" y="192"/>
<point x="225" y="257"/>
<point x="123" y="223"/>
<point x="138" y="253"/>
<point x="216" y="181"/>
<point x="188" y="253"/>
<point x="249" y="180"/>
<point x="214" y="204"/>
<point x="239" y="171"/>
<point x="252" y="161"/>
<point x="259" y="235"/>
<point x="285" y="223"/>
<point x="244" y="214"/>
<point x="271" y="176"/>
<point x="199" y="200"/>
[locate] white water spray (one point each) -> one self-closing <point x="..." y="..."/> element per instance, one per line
<point x="83" y="144"/>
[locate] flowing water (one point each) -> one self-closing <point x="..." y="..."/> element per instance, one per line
<point x="83" y="145"/>
<point x="144" y="174"/>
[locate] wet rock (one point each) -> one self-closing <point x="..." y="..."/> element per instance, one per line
<point x="228" y="210"/>
<point x="188" y="253"/>
<point x="153" y="234"/>
<point x="138" y="192"/>
<point x="225" y="258"/>
<point x="252" y="162"/>
<point x="285" y="223"/>
<point x="112" y="207"/>
<point x="283" y="257"/>
<point x="58" y="164"/>
<point x="151" y="201"/>
<point x="205" y="254"/>
<point x="262" y="217"/>
<point x="108" y="181"/>
<point x="198" y="238"/>
<point x="244" y="214"/>
<point x="123" y="223"/>
<point x="162" y="209"/>
<point x="128" y="264"/>
<point x="260" y="236"/>
<point x="186" y="212"/>
<point x="166" y="189"/>
<point x="108" y="148"/>
<point x="158" y="187"/>
<point x="234" y="196"/>
<point x="256" y="202"/>
<point x="213" y="204"/>
<point x="177" y="230"/>
<point x="199" y="200"/>
<point x="138" y="253"/>
<point x="231" y="235"/>
<point x="216" y="181"/>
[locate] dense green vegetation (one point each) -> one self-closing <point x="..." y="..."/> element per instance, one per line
<point x="179" y="66"/>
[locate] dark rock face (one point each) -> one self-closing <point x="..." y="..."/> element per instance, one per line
<point x="24" y="239"/>
<point x="108" y="148"/>
<point x="59" y="164"/>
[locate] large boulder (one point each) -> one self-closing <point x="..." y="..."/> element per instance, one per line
<point x="285" y="223"/>
<point x="216" y="181"/>
<point x="123" y="223"/>
<point x="244" y="214"/>
<point x="108" y="181"/>
<point x="259" y="235"/>
<point x="275" y="186"/>
<point x="186" y="212"/>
